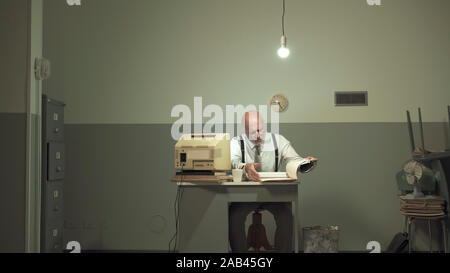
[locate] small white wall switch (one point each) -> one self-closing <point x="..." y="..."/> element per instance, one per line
<point x="41" y="69"/>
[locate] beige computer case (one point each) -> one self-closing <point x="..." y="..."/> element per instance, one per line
<point x="203" y="152"/>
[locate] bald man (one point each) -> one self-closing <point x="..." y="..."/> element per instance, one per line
<point x="258" y="151"/>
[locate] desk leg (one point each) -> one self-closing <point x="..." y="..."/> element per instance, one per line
<point x="203" y="221"/>
<point x="295" y="227"/>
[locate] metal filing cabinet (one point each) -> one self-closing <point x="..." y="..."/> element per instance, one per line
<point x="53" y="173"/>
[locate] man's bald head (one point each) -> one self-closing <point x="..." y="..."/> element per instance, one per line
<point x="254" y="127"/>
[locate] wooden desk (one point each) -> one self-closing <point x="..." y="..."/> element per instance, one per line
<point x="203" y="219"/>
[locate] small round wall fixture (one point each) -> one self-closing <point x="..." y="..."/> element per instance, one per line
<point x="279" y="102"/>
<point x="157" y="223"/>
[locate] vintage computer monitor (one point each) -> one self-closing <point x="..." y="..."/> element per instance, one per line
<point x="203" y="153"/>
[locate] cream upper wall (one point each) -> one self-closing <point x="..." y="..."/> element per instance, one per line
<point x="36" y="45"/>
<point x="22" y="39"/>
<point x="131" y="61"/>
<point x="13" y="50"/>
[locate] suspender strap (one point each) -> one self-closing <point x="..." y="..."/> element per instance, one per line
<point x="275" y="145"/>
<point x="242" y="150"/>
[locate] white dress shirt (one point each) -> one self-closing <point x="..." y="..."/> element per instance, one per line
<point x="286" y="152"/>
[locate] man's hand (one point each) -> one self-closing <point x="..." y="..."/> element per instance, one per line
<point x="252" y="174"/>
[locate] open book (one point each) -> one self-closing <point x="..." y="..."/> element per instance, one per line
<point x="292" y="168"/>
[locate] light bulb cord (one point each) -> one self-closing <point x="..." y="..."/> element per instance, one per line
<point x="282" y="17"/>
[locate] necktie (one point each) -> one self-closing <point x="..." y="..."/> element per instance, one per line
<point x="258" y="156"/>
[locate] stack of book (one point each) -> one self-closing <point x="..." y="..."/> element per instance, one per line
<point x="428" y="206"/>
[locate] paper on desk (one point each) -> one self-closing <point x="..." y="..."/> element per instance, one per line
<point x="274" y="176"/>
<point x="292" y="168"/>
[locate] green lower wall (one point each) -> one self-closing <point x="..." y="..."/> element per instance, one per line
<point x="12" y="182"/>
<point x="34" y="191"/>
<point x="117" y="184"/>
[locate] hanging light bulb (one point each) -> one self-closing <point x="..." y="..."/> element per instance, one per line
<point x="283" y="51"/>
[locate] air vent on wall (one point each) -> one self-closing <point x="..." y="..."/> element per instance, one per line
<point x="350" y="98"/>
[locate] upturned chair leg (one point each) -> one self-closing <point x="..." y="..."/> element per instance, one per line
<point x="444" y="235"/>
<point x="410" y="237"/>
<point x="405" y="225"/>
<point x="431" y="238"/>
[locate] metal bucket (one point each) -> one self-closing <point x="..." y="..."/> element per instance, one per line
<point x="321" y="239"/>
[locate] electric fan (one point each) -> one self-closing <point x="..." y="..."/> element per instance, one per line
<point x="413" y="172"/>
